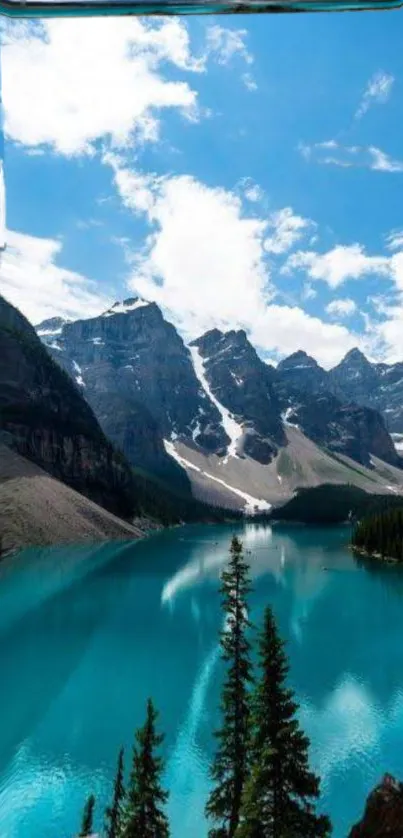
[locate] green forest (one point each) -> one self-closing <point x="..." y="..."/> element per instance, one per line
<point x="381" y="534"/>
<point x="330" y="504"/>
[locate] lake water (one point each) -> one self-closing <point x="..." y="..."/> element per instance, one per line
<point x="86" y="635"/>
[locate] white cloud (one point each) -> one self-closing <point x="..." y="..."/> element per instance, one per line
<point x="225" y="43"/>
<point x="288" y="228"/>
<point x="249" y="82"/>
<point x="60" y="90"/>
<point x="394" y="240"/>
<point x="377" y="92"/>
<point x="339" y="264"/>
<point x="381" y="162"/>
<point x="387" y="335"/>
<point x="341" y="308"/>
<point x="204" y="262"/>
<point x="253" y="192"/>
<point x="308" y="291"/>
<point x="348" y="157"/>
<point x="32" y="281"/>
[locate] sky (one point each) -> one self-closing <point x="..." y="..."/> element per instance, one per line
<point x="243" y="172"/>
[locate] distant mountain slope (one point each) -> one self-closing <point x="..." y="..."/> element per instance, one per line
<point x="36" y="509"/>
<point x="244" y="483"/>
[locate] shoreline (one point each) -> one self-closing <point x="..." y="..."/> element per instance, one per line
<point x="389" y="560"/>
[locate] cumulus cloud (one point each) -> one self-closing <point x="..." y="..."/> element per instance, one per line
<point x="205" y="263"/>
<point x="341" y="308"/>
<point x="338" y="264"/>
<point x="31" y="279"/>
<point x="377" y="92"/>
<point x="60" y="91"/>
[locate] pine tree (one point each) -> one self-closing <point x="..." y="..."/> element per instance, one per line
<point x="144" y="815"/>
<point x="279" y="796"/>
<point x="230" y="766"/>
<point x="88" y="817"/>
<point x="114" y="812"/>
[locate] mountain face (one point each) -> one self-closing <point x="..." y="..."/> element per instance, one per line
<point x="137" y="375"/>
<point x="163" y="403"/>
<point x="243" y="384"/>
<point x="353" y="380"/>
<point x="379" y="386"/>
<point x="356" y="377"/>
<point x="300" y="371"/>
<point x="44" y="417"/>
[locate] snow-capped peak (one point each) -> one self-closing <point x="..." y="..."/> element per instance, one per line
<point x="131" y="304"/>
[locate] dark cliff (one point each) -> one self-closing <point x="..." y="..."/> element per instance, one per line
<point x="383" y="816"/>
<point x="44" y="417"/>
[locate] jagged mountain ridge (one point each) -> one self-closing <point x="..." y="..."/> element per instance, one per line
<point x="216" y="399"/>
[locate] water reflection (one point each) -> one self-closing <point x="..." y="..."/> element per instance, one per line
<point x="82" y="648"/>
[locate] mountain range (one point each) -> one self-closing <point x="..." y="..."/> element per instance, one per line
<point x="214" y="418"/>
<point x="61" y="478"/>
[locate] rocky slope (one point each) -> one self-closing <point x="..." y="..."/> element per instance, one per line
<point x="383" y="816"/>
<point x="36" y="509"/>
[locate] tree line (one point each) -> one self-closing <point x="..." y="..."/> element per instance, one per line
<point x="262" y="785"/>
<point x="381" y="534"/>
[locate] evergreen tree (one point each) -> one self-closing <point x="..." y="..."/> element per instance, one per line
<point x="279" y="796"/>
<point x="230" y="766"/>
<point x="114" y="812"/>
<point x="88" y="817"/>
<point x="144" y="815"/>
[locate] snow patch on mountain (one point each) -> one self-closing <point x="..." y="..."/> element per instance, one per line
<point x="49" y="332"/>
<point x="252" y="505"/>
<point x="126" y="306"/>
<point x="79" y="377"/>
<point x="233" y="430"/>
<point x="398" y="442"/>
<point x="286" y="417"/>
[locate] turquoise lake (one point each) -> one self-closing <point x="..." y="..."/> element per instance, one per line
<point x="87" y="634"/>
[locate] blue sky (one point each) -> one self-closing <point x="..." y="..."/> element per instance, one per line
<point x="243" y="172"/>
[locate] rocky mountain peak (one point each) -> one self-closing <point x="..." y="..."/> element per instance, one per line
<point x="51" y="327"/>
<point x="128" y="305"/>
<point x="298" y="360"/>
<point x="356" y="377"/>
<point x="209" y="341"/>
<point x="355" y="358"/>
